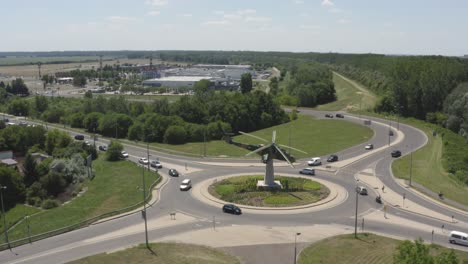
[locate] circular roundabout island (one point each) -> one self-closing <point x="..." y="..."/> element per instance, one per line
<point x="294" y="191"/>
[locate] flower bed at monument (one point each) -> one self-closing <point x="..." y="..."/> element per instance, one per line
<point x="243" y="190"/>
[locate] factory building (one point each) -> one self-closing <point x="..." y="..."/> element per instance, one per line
<point x="175" y="81"/>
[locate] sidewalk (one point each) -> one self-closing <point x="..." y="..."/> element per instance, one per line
<point x="398" y="200"/>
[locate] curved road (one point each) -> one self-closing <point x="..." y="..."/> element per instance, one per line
<point x="105" y="236"/>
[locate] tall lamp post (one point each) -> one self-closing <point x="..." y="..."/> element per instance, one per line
<point x="411" y="166"/>
<point x="355" y="217"/>
<point x="295" y="246"/>
<point x="4" y="215"/>
<point x="144" y="196"/>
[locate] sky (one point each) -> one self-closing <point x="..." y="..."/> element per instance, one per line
<point x="426" y="27"/>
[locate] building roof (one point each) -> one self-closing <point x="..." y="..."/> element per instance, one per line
<point x="179" y="79"/>
<point x="9" y="162"/>
<point x="6" y="154"/>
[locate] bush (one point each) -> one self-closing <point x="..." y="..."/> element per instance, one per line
<point x="175" y="135"/>
<point x="49" y="204"/>
<point x="114" y="152"/>
<point x="34" y="201"/>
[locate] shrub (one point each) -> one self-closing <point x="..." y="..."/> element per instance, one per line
<point x="34" y="201"/>
<point x="49" y="204"/>
<point x="175" y="135"/>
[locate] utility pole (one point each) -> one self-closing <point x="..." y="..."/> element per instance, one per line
<point x="39" y="64"/>
<point x="4" y="216"/>
<point x="355" y="217"/>
<point x="411" y="166"/>
<point x="144" y="197"/>
<point x="295" y="247"/>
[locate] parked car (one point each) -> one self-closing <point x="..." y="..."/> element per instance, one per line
<point x="185" y="185"/>
<point x="307" y="171"/>
<point x="156" y="164"/>
<point x="369" y="146"/>
<point x="314" y="161"/>
<point x="173" y="173"/>
<point x="143" y="161"/>
<point x="329" y="115"/>
<point x="79" y="137"/>
<point x="102" y="148"/>
<point x="339" y="115"/>
<point x="361" y="190"/>
<point x="232" y="209"/>
<point x="396" y="153"/>
<point x="332" y="158"/>
<point x="124" y="154"/>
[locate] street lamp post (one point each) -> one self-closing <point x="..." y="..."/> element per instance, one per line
<point x="144" y="196"/>
<point x="295" y="246"/>
<point x="411" y="166"/>
<point x="355" y="217"/>
<point x="4" y="215"/>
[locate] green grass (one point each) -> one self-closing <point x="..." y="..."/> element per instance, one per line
<point x="428" y="169"/>
<point x="174" y="253"/>
<point x="235" y="190"/>
<point x="17" y="213"/>
<point x="350" y="95"/>
<point x="116" y="185"/>
<point x="367" y="249"/>
<point x="316" y="137"/>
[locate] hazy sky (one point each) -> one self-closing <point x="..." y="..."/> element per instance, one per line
<point x="353" y="26"/>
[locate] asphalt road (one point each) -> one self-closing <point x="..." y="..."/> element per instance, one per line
<point x="82" y="242"/>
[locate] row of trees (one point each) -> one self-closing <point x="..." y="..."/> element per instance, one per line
<point x="16" y="87"/>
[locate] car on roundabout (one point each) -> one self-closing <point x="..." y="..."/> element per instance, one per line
<point x="173" y="173"/>
<point x="102" y="148"/>
<point x="307" y="171"/>
<point x="329" y="115"/>
<point x="361" y="190"/>
<point x="339" y="116"/>
<point x="185" y="185"/>
<point x="369" y="146"/>
<point x="332" y="158"/>
<point x="124" y="154"/>
<point x="143" y="161"/>
<point x="232" y="209"/>
<point x="396" y="153"/>
<point x="314" y="161"/>
<point x="156" y="164"/>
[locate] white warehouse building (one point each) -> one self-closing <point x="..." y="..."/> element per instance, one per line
<point x="176" y="81"/>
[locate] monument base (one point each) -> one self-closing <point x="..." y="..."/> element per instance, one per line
<point x="261" y="185"/>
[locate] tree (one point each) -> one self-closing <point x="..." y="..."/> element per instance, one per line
<point x="175" y="135"/>
<point x="274" y="86"/>
<point x="88" y="94"/>
<point x="201" y="87"/>
<point x="15" y="191"/>
<point x="246" y="83"/>
<point x="30" y="170"/>
<point x="18" y="87"/>
<point x="41" y="103"/>
<point x="114" y="151"/>
<point x="18" y="107"/>
<point x="418" y="253"/>
<point x="54" y="183"/>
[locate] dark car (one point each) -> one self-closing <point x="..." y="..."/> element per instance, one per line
<point x="332" y="158"/>
<point x="339" y="115"/>
<point x="102" y="148"/>
<point x="173" y="173"/>
<point x="329" y="115"/>
<point x="307" y="171"/>
<point x="390" y="133"/>
<point x="232" y="209"/>
<point x="79" y="137"/>
<point x="396" y="153"/>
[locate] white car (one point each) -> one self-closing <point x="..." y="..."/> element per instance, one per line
<point x="314" y="161"/>
<point x="185" y="185"/>
<point x="124" y="154"/>
<point x="143" y="161"/>
<point x="156" y="164"/>
<point x="369" y="146"/>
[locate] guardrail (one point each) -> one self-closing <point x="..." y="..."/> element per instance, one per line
<point x="82" y="224"/>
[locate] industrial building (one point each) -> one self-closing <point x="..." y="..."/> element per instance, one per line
<point x="175" y="81"/>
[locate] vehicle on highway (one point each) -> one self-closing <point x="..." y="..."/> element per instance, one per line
<point x="185" y="185"/>
<point x="307" y="171"/>
<point x="79" y="137"/>
<point x="315" y="161"/>
<point x="458" y="238"/>
<point x="329" y="115"/>
<point x="390" y="132"/>
<point x="87" y="143"/>
<point x="124" y="154"/>
<point x="102" y="148"/>
<point x="396" y="153"/>
<point x="369" y="146"/>
<point x="361" y="190"/>
<point x="173" y="173"/>
<point x="156" y="164"/>
<point x="332" y="158"/>
<point x="232" y="209"/>
<point x="143" y="161"/>
<point x="339" y="115"/>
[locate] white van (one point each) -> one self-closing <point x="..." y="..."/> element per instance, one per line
<point x="185" y="185"/>
<point x="314" y="161"/>
<point x="458" y="238"/>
